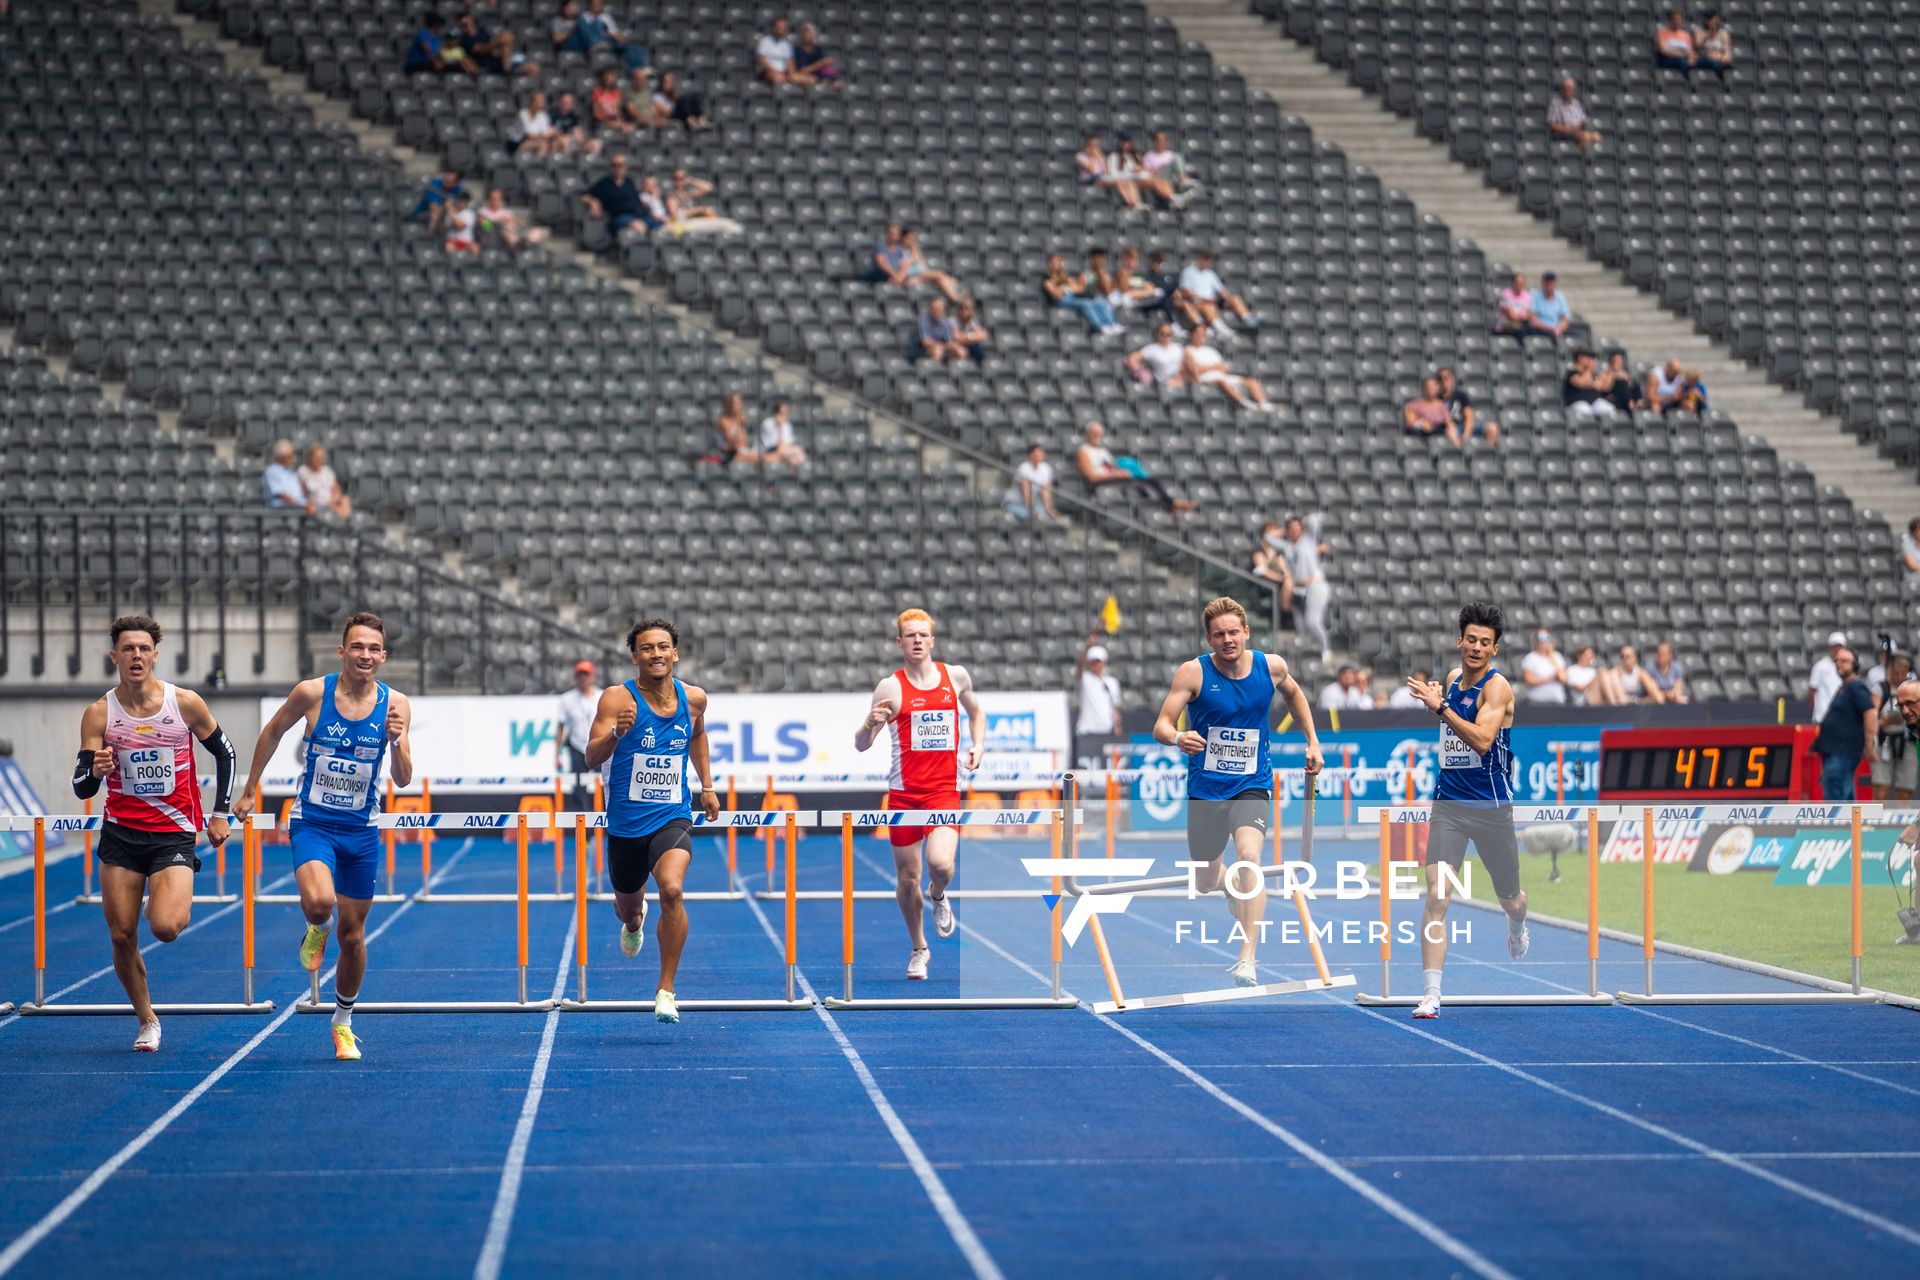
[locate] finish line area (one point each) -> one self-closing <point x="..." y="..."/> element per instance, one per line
<point x="1305" y="1131"/>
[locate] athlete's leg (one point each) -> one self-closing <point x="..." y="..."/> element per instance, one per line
<point x="670" y="874"/>
<point x="317" y="898"/>
<point x="1248" y="844"/>
<point x="1495" y="840"/>
<point x="942" y="844"/>
<point x="120" y="892"/>
<point x="352" y="968"/>
<point x="1433" y="921"/>
<point x="169" y="902"/>
<point x="906" y="890"/>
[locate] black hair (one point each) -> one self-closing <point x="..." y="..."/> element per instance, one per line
<point x="1483" y="613"/>
<point x="1913" y="526"/>
<point x="652" y="624"/>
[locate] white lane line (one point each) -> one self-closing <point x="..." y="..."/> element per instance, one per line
<point x="493" y="1252"/>
<point x="10" y="1257"/>
<point x="958" y="1227"/>
<point x="23" y="921"/>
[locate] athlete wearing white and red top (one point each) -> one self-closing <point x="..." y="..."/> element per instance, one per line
<point x="922" y="701"/>
<point x="138" y="737"/>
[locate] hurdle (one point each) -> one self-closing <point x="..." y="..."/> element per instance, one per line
<point x="1797" y="814"/>
<point x="1415" y="813"/>
<point x="791" y="820"/>
<point x="90" y="896"/>
<point x="41" y="1006"/>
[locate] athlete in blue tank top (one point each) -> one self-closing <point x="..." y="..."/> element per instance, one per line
<point x="1226" y="695"/>
<point x="1473" y="801"/>
<point x="648" y="731"/>
<point x="353" y="723"/>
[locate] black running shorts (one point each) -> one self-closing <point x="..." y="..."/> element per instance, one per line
<point x="631" y="859"/>
<point x="146" y="852"/>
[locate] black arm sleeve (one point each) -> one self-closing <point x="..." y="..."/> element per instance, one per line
<point x="85" y="785"/>
<point x="220" y="747"/>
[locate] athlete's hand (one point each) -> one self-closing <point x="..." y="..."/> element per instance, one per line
<point x="879" y="715"/>
<point x="1315" y="759"/>
<point x="243" y="807"/>
<point x="624" y="720"/>
<point x="104" y="762"/>
<point x="710" y="803"/>
<point x="217" y="831"/>
<point x="396" y="723"/>
<point x="1191" y="743"/>
<point x="975" y="754"/>
<point x="1429" y="692"/>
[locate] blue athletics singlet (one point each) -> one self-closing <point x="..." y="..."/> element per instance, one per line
<point x="1233" y="716"/>
<point x="1484" y="781"/>
<point x="340" y="763"/>
<point x="647" y="775"/>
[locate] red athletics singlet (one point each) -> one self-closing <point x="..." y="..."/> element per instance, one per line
<point x="154" y="787"/>
<point x="926" y="752"/>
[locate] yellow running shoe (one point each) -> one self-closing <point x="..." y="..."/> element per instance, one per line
<point x="313" y="947"/>
<point x="346" y="1045"/>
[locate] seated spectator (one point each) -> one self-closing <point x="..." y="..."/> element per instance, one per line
<point x="608" y="104"/>
<point x="462" y="222"/>
<point x="1668" y="674"/>
<point x="969" y="332"/>
<point x="427" y="55"/>
<point x="1581" y="674"/>
<point x="1617" y="383"/>
<point x="569" y="136"/>
<point x="1344" y="692"/>
<point x="656" y="211"/>
<point x="500" y="226"/>
<point x="919" y="273"/>
<point x="1128" y="290"/>
<point x="1543" y="674"/>
<point x="432" y="205"/>
<point x="322" y="487"/>
<point x="1627" y="683"/>
<point x="1164" y="162"/>
<point x="1551" y="312"/>
<point x="533" y="133"/>
<point x="1579" y="389"/>
<point x="1402" y="699"/>
<point x="686" y="214"/>
<point x="636" y="100"/>
<point x="671" y="102"/>
<point x="1462" y="419"/>
<point x="1426" y="413"/>
<point x="1910" y="555"/>
<point x="1567" y="119"/>
<point x="563" y="29"/>
<point x="1099" y="468"/>
<point x="596" y="27"/>
<point x="280" y="484"/>
<point x="812" y="58"/>
<point x="1031" y="497"/>
<point x="1097" y="169"/>
<point x="897" y="261"/>
<point x="1162" y="362"/>
<point x="1693" y="393"/>
<point x="1208" y="295"/>
<point x="777" y="443"/>
<point x="773" y="59"/>
<point x="1206" y="367"/>
<point x="489" y="52"/>
<point x="731" y="427"/>
<point x="1272" y="564"/>
<point x="1673" y="45"/>
<point x="1513" y="314"/>
<point x="935" y="339"/>
<point x="1663" y="387"/>
<point x="1173" y="300"/>
<point x="1063" y="290"/>
<point x="615" y="198"/>
<point x="1128" y="161"/>
<point x="1715" y="44"/>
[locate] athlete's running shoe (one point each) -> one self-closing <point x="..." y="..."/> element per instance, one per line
<point x="313" y="947"/>
<point x="917" y="964"/>
<point x="664" y="1008"/>
<point x="1429" y="1007"/>
<point x="1245" y="972"/>
<point x="346" y="1045"/>
<point x="148" y="1041"/>
<point x="631" y="940"/>
<point x="943" y="922"/>
<point x="1517" y="943"/>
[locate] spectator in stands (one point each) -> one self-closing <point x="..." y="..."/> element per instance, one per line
<point x="1693" y="393"/>
<point x="773" y="59"/>
<point x="682" y="202"/>
<point x="1304" y="550"/>
<point x="812" y="58"/>
<point x="1099" y="692"/>
<point x="322" y="487"/>
<point x="1098" y="467"/>
<point x="636" y="99"/>
<point x="500" y="226"/>
<point x="1715" y="44"/>
<point x="1097" y="169"/>
<point x="1131" y="291"/>
<point x="934" y="338"/>
<point x="1617" y="383"/>
<point x="1668" y="673"/>
<point x="1625" y="684"/>
<point x="777" y="442"/>
<point x="1064" y="290"/>
<point x="1343" y="692"/>
<point x="280" y="483"/>
<point x="570" y="130"/>
<point x="428" y="52"/>
<point x="533" y="133"/>
<point x="488" y="51"/>
<point x="432" y="205"/>
<point x="615" y="198"/>
<point x="687" y="192"/>
<point x="671" y="102"/>
<point x="1848" y="730"/>
<point x="1896" y="764"/>
<point x="1910" y="555"/>
<point x="1543" y="673"/>
<point x="1031" y="497"/>
<point x="731" y="427"/>
<point x="1581" y="674"/>
<point x="1462" y="419"/>
<point x="1579" y="389"/>
<point x="970" y="333"/>
<point x="897" y="261"/>
<point x="462" y="226"/>
<point x="1551" y="313"/>
<point x="1130" y="163"/>
<point x="1513" y="314"/>
<point x="1426" y="414"/>
<point x="656" y="210"/>
<point x="1270" y="564"/>
<point x="1663" y="387"/>
<point x="1402" y="699"/>
<point x="919" y="273"/>
<point x="1567" y="119"/>
<point x="1161" y="362"/>
<point x="1207" y="295"/>
<point x="562" y="30"/>
<point x="609" y="105"/>
<point x="1824" y="680"/>
<point x="1206" y="367"/>
<point x="596" y="27"/>
<point x="1172" y="301"/>
<point x="1164" y="163"/>
<point x="1673" y="46"/>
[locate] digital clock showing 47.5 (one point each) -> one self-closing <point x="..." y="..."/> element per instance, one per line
<point x="1746" y="763"/>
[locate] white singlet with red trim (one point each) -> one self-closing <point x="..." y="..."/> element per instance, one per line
<point x="926" y="736"/>
<point x="154" y="787"/>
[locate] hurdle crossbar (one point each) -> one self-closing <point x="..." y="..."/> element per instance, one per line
<point x="1225" y="994"/>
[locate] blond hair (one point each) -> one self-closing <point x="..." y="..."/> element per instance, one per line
<point x="911" y="615"/>
<point x="1221" y="605"/>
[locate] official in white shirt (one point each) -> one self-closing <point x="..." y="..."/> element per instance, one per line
<point x="573" y="722"/>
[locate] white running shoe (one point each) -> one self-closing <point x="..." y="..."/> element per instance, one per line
<point x="917" y="964"/>
<point x="631" y="940"/>
<point x="148" y="1041"/>
<point x="1429" y="1007"/>
<point x="664" y="1007"/>
<point x="1517" y="943"/>
<point x="1245" y="972"/>
<point x="943" y="922"/>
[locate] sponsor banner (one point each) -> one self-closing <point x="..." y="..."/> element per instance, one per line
<point x="802" y="740"/>
<point x="1743" y="846"/>
<point x="1824" y="857"/>
<point x="1676" y="838"/>
<point x="1157" y="794"/>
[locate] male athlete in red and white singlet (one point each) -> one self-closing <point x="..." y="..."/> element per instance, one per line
<point x="923" y="701"/>
<point x="139" y="738"/>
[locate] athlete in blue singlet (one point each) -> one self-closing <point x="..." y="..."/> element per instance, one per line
<point x="648" y="730"/>
<point x="353" y="722"/>
<point x="1227" y="696"/>
<point x="1473" y="802"/>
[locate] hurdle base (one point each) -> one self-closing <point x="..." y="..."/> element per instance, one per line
<point x="1750" y="997"/>
<point x="93" y="899"/>
<point x="6" y="1007"/>
<point x="432" y="1006"/>
<point x="1224" y="994"/>
<point x="293" y="899"/>
<point x="31" y="1010"/>
<point x="858" y="1004"/>
<point x="686" y="1006"/>
<point x="1485" y="1002"/>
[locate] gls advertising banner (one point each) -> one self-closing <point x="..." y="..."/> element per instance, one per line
<point x="804" y="740"/>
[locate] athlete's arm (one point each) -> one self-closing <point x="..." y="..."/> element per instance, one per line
<point x="560" y="742"/>
<point x="1166" y="731"/>
<point x="698" y="753"/>
<point x="399" y="723"/>
<point x="1301" y="707"/>
<point x="611" y="720"/>
<point x="96" y="759"/>
<point x="886" y="701"/>
<point x="199" y="718"/>
<point x="976" y="716"/>
<point x="1496" y="699"/>
<point x="298" y="706"/>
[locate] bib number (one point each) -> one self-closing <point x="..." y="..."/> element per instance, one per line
<point x="1455" y="753"/>
<point x="657" y="779"/>
<point x="340" y="782"/>
<point x="146" y="771"/>
<point x="931" y="730"/>
<point x="1232" y="751"/>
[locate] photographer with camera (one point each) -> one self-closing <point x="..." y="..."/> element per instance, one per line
<point x="1896" y="763"/>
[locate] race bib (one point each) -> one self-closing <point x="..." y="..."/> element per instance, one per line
<point x="146" y="771"/>
<point x="657" y="779"/>
<point x="340" y="782"/>
<point x="1455" y="753"/>
<point x="931" y="730"/>
<point x="1232" y="751"/>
